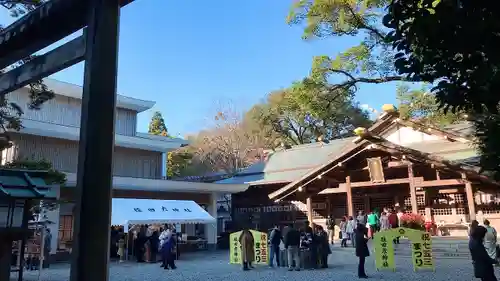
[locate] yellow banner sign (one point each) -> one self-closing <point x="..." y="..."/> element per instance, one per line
<point x="384" y="250"/>
<point x="421" y="248"/>
<point x="260" y="247"/>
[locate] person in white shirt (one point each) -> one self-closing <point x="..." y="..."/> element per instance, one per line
<point x="164" y="236"/>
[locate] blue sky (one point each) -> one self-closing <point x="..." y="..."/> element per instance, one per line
<point x="191" y="56"/>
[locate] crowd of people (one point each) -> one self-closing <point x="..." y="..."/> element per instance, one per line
<point x="306" y="247"/>
<point x="373" y="222"/>
<point x="149" y="244"/>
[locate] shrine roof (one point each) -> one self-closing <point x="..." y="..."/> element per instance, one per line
<point x="24" y="184"/>
<point x="287" y="165"/>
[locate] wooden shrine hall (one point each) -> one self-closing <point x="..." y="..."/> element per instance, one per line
<point x="373" y="172"/>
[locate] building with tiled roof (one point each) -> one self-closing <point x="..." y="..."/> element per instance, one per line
<point x="422" y="169"/>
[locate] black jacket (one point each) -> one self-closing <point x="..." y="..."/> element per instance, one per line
<point x="361" y="241"/>
<point x="276" y="237"/>
<point x="292" y="238"/>
<point x="483" y="264"/>
<point x="330" y="224"/>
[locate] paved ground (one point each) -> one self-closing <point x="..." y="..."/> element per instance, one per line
<point x="214" y="266"/>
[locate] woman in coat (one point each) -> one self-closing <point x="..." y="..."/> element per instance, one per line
<point x="247" y="249"/>
<point x="361" y="248"/>
<point x="323" y="246"/>
<point x="483" y="264"/>
<point x="490" y="240"/>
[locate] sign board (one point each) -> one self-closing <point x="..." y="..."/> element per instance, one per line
<point x="421" y="247"/>
<point x="260" y="247"/>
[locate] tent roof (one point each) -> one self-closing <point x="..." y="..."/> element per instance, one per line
<point x="149" y="211"/>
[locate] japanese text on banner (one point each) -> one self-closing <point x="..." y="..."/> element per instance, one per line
<point x="234" y="248"/>
<point x="422" y="252"/>
<point x="384" y="251"/>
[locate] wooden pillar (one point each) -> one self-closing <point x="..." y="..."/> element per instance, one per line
<point x="367" y="204"/>
<point x="470" y="198"/>
<point x="309" y="211"/>
<point x="350" y="206"/>
<point x="413" y="190"/>
<point x="428" y="204"/>
<point x="90" y="256"/>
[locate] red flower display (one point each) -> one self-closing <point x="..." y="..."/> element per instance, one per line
<point x="413" y="221"/>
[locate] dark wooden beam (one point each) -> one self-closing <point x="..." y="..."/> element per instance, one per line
<point x="42" y="66"/>
<point x="436" y="183"/>
<point x="47" y="24"/>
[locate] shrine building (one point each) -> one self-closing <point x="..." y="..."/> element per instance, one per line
<point x="394" y="163"/>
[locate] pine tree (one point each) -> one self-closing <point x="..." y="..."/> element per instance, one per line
<point x="157" y="125"/>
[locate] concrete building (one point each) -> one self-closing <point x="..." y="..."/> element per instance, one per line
<point x="139" y="169"/>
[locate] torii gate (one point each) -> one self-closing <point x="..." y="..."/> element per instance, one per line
<point x="98" y="46"/>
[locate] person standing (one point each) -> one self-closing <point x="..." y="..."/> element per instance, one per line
<point x="47" y="247"/>
<point x="154" y="241"/>
<point x="274" y="251"/>
<point x="362" y="249"/>
<point x="372" y="222"/>
<point x="343" y="232"/>
<point x="482" y="262"/>
<point x="292" y="243"/>
<point x="361" y="218"/>
<point x="473" y="225"/>
<point x="351" y="226"/>
<point x="330" y="224"/>
<point x="247" y="249"/>
<point x="490" y="240"/>
<point x="164" y="236"/>
<point x="121" y="247"/>
<point x="168" y="252"/>
<point x="308" y="241"/>
<point x="384" y="222"/>
<point x="323" y="246"/>
<point x="394" y="222"/>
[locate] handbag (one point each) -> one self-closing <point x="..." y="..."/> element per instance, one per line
<point x="340" y="234"/>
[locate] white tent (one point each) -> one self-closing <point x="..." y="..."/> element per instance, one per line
<point x="150" y="211"/>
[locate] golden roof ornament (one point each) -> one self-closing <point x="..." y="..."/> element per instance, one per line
<point x="389" y="108"/>
<point x="360" y="131"/>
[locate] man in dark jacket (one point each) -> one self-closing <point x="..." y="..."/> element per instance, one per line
<point x="275" y="240"/>
<point x="483" y="264"/>
<point x="292" y="243"/>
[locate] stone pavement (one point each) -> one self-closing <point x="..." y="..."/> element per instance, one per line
<point x="214" y="266"/>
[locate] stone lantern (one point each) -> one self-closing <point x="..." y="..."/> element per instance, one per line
<point x="20" y="190"/>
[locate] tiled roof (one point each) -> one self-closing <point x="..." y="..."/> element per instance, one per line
<point x="453" y="151"/>
<point x="21" y="184"/>
<point x="290" y="164"/>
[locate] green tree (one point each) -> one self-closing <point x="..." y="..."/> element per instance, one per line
<point x="308" y="111"/>
<point x="421" y="104"/>
<point x="453" y="46"/>
<point x="371" y="61"/>
<point x="10" y="112"/>
<point x="157" y="125"/>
